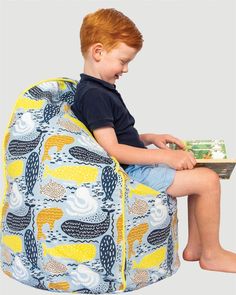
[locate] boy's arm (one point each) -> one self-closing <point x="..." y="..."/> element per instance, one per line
<point x="125" y="154"/>
<point x="146" y="138"/>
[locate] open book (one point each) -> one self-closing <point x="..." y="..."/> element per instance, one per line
<point x="211" y="154"/>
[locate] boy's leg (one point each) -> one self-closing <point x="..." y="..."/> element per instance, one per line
<point x="192" y="251"/>
<point x="203" y="185"/>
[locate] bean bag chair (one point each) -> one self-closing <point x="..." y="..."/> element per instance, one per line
<point x="72" y="219"/>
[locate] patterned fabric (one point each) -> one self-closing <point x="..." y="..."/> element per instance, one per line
<point x="72" y="219"/>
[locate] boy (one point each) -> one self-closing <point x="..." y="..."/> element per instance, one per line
<point x="109" y="41"/>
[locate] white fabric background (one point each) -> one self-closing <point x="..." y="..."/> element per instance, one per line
<point x="181" y="83"/>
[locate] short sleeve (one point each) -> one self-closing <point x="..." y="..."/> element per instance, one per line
<point x="97" y="109"/>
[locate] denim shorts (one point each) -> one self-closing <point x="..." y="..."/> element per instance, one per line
<point x="157" y="176"/>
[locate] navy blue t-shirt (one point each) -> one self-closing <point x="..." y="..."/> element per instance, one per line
<point x="98" y="104"/>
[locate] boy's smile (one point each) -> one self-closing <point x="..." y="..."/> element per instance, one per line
<point x="109" y="66"/>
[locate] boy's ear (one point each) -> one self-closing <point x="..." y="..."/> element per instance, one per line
<point x="97" y="51"/>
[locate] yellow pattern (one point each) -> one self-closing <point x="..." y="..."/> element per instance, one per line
<point x="15" y="168"/>
<point x="11" y="118"/>
<point x="143" y="190"/>
<point x="62" y="85"/>
<point x="136" y="234"/>
<point x="119" y="226"/>
<point x="58" y="141"/>
<point x="13" y="242"/>
<point x="47" y="216"/>
<point x="78" y="174"/>
<point x="6" y="140"/>
<point x="152" y="260"/>
<point x="66" y="108"/>
<point x="78" y="252"/>
<point x="27" y="103"/>
<point x="63" y="286"/>
<point x="4" y="209"/>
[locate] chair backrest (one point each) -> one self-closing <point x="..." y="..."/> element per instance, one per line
<point x="67" y="222"/>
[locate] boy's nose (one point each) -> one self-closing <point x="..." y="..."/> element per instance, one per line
<point x="125" y="69"/>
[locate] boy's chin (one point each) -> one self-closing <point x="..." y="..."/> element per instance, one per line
<point x="116" y="79"/>
<point x="113" y="81"/>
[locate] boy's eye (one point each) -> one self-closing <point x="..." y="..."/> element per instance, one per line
<point x="123" y="62"/>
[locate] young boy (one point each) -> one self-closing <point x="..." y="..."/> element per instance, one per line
<point x="109" y="41"/>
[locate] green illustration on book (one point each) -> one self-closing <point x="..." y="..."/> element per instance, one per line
<point x="205" y="149"/>
<point x="211" y="154"/>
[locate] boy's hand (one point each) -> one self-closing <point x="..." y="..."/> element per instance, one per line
<point x="160" y="140"/>
<point x="179" y="159"/>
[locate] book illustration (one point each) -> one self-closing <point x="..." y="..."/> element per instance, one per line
<point x="211" y="154"/>
<point x="204" y="149"/>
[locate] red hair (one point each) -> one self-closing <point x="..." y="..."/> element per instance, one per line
<point x="109" y="27"/>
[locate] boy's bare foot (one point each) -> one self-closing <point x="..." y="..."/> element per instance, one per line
<point x="192" y="253"/>
<point x="220" y="260"/>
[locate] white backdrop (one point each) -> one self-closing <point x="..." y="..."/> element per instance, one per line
<point x="181" y="83"/>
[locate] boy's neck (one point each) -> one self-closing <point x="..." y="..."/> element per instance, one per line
<point x="92" y="74"/>
<point x="89" y="71"/>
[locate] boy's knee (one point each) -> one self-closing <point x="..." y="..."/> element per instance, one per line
<point x="211" y="174"/>
<point x="211" y="178"/>
<point x="195" y="181"/>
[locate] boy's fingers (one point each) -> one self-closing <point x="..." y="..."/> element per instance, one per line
<point x="180" y="143"/>
<point x="193" y="160"/>
<point x="177" y="141"/>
